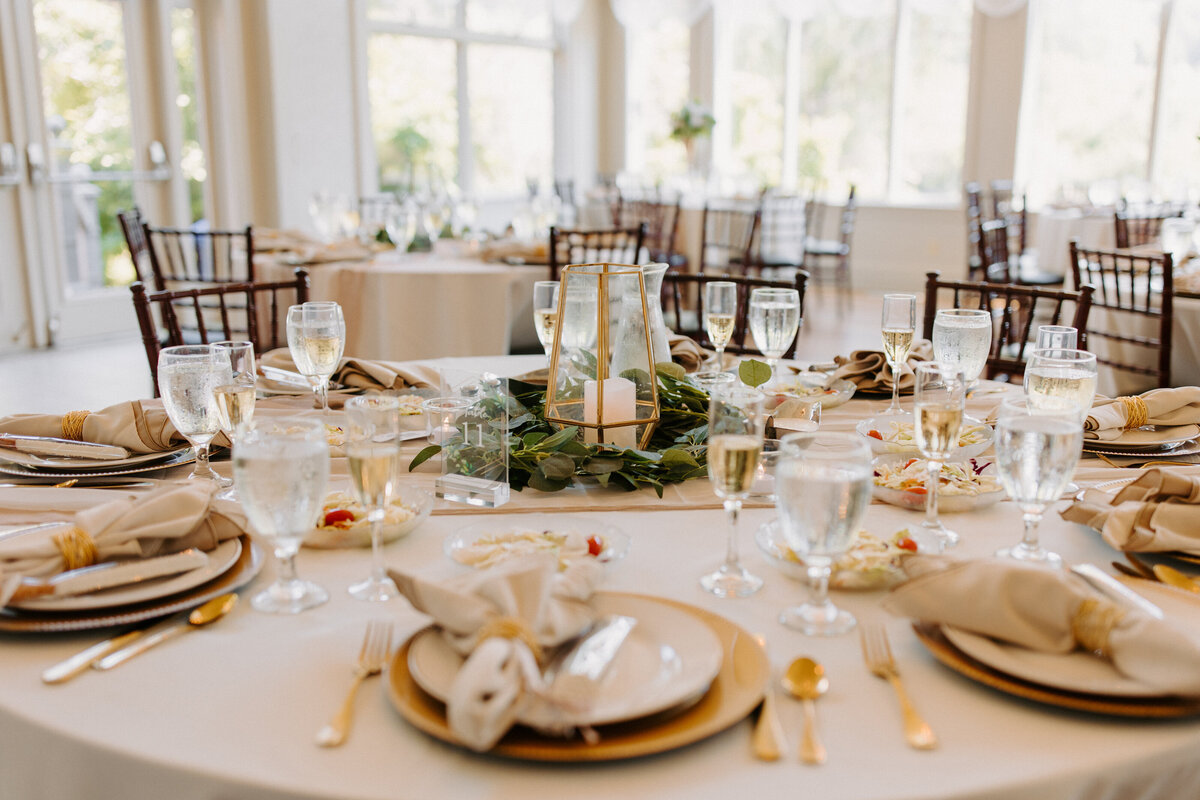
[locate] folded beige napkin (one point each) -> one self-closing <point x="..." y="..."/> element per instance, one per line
<point x="500" y="249"/>
<point x="869" y="370"/>
<point x="497" y="618"/>
<point x="268" y="240"/>
<point x="362" y="373"/>
<point x="138" y="426"/>
<point x="687" y="352"/>
<point x="1160" y="511"/>
<point x="1049" y="610"/>
<point x="1175" y="413"/>
<point x="168" y="519"/>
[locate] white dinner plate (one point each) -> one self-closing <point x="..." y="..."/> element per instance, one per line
<point x="614" y="542"/>
<point x="1079" y="671"/>
<point x="669" y="659"/>
<point x="61" y="463"/>
<point x="1174" y="449"/>
<point x="220" y="559"/>
<point x="184" y="456"/>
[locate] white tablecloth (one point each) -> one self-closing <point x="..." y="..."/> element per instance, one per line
<point x="231" y="711"/>
<point x="1053" y="229"/>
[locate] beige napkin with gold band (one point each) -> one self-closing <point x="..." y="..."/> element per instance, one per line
<point x="1049" y="610"/>
<point x="686" y="352"/>
<point x="362" y="373"/>
<point x="502" y="619"/>
<point x="869" y="370"/>
<point x="1159" y="511"/>
<point x="1174" y="412"/>
<point x="138" y="426"/>
<point x="167" y="519"/>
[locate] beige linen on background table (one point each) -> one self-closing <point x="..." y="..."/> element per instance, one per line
<point x="232" y="711"/>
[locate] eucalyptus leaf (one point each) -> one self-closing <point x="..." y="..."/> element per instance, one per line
<point x="543" y="484"/>
<point x="753" y="372"/>
<point x="557" y="466"/>
<point x="423" y="456"/>
<point x="601" y="465"/>
<point x="670" y="369"/>
<point x="676" y="457"/>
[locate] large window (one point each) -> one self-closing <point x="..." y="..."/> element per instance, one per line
<point x="656" y="86"/>
<point x="461" y="91"/>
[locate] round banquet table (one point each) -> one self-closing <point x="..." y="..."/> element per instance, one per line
<point x="231" y="711"/>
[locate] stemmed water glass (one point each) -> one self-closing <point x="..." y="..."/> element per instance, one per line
<point x="373" y="456"/>
<point x="899" y="325"/>
<point x="235" y="400"/>
<point x="281" y="469"/>
<point x="187" y="378"/>
<point x="962" y="338"/>
<point x="774" y="321"/>
<point x="316" y="335"/>
<point x="1061" y="380"/>
<point x="938" y="403"/>
<point x="720" y="315"/>
<point x="735" y="438"/>
<point x="401" y="224"/>
<point x="1058" y="337"/>
<point x="822" y="489"/>
<point x="545" y="313"/>
<point x="1036" y="452"/>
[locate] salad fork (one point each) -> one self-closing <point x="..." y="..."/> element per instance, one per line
<point x="377" y="644"/>
<point x="877" y="652"/>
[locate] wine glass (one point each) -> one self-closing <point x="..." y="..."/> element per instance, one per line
<point x="962" y="338"/>
<point x="937" y="419"/>
<point x="545" y="313"/>
<point x="720" y="314"/>
<point x="187" y="378"/>
<point x="822" y="489"/>
<point x="1061" y="380"/>
<point x="281" y="468"/>
<point x="316" y="335"/>
<point x="401" y="224"/>
<point x="1060" y="337"/>
<point x="899" y="326"/>
<point x="735" y="437"/>
<point x="1036" y="453"/>
<point x="774" y="321"/>
<point x="373" y="456"/>
<point x="235" y="400"/>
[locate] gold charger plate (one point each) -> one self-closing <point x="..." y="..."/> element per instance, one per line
<point x="242" y="572"/>
<point x="936" y="642"/>
<point x="735" y="692"/>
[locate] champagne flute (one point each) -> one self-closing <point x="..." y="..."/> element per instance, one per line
<point x="962" y="338"/>
<point x="937" y="420"/>
<point x="187" y="376"/>
<point x="822" y="489"/>
<point x="774" y="321"/>
<point x="720" y="315"/>
<point x="235" y="400"/>
<point x="316" y="335"/>
<point x="735" y="438"/>
<point x="281" y="470"/>
<point x="1036" y="453"/>
<point x="1061" y="380"/>
<point x="899" y="326"/>
<point x="373" y="455"/>
<point x="545" y="313"/>
<point x="1058" y="337"/>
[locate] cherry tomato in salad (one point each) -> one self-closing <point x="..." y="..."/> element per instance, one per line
<point x="332" y="518"/>
<point x="906" y="543"/>
<point x="874" y="434"/>
<point x="595" y="546"/>
<point x="918" y="490"/>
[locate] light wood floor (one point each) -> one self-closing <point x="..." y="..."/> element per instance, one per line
<point x="94" y="375"/>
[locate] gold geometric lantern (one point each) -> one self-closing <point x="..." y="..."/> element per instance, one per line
<point x="602" y="377"/>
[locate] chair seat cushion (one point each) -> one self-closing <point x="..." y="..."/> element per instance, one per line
<point x="825" y="247"/>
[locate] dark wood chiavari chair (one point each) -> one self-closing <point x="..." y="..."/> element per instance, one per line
<point x="661" y="217"/>
<point x="607" y="245"/>
<point x="1141" y="226"/>
<point x="833" y="255"/>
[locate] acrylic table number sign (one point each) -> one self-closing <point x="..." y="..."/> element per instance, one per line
<point x="474" y="439"/>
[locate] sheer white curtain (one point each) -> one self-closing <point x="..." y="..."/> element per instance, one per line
<point x="638" y="13"/>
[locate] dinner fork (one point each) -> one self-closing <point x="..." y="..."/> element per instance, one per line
<point x="377" y="644"/>
<point x="877" y="652"/>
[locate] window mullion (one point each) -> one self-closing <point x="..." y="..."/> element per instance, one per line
<point x="900" y="67"/>
<point x="1156" y="107"/>
<point x="791" y="104"/>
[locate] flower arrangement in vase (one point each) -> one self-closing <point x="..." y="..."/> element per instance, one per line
<point x="689" y="123"/>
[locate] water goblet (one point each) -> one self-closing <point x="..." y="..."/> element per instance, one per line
<point x="735" y="438"/>
<point x="373" y="457"/>
<point x="316" y="335"/>
<point x="187" y="378"/>
<point x="774" y="321"/>
<point x="401" y="224"/>
<point x="281" y="468"/>
<point x="899" y="326"/>
<point x="545" y="313"/>
<point x="1059" y="379"/>
<point x="822" y="489"/>
<point x="235" y="400"/>
<point x="720" y="316"/>
<point x="1036" y="453"/>
<point x="1059" y="337"/>
<point x="962" y="338"/>
<point x="937" y="420"/>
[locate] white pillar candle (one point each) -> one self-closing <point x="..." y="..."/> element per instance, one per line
<point x="620" y="405"/>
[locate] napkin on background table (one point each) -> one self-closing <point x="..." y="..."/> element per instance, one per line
<point x="500" y="674"/>
<point x="1159" y="511"/>
<point x="167" y="519"/>
<point x="1034" y="607"/>
<point x="268" y="240"/>
<point x="140" y="427"/>
<point x="869" y="370"/>
<point x="362" y="373"/>
<point x="1176" y="413"/>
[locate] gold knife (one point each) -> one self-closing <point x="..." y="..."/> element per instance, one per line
<point x="65" y="670"/>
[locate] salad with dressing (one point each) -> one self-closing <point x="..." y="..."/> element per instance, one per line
<point x="958" y="478"/>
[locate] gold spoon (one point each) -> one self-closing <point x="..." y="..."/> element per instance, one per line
<point x="203" y="615"/>
<point x="1173" y="577"/>
<point x="805" y="679"/>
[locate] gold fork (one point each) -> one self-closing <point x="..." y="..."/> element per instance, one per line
<point x="377" y="643"/>
<point x="877" y="652"/>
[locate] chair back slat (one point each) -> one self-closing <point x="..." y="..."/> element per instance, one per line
<point x="609" y="245"/>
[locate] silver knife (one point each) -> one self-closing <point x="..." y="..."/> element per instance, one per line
<point x="573" y="675"/>
<point x="1116" y="591"/>
<point x="66" y="448"/>
<point x="110" y="574"/>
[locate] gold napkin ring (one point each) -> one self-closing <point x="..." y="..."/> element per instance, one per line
<point x="1136" y="412"/>
<point x="72" y="424"/>
<point x="1092" y="624"/>
<point x="77" y="547"/>
<point x="511" y="628"/>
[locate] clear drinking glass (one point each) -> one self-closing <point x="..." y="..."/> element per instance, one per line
<point x="1061" y="380"/>
<point x="938" y="402"/>
<point x="545" y="313"/>
<point x="720" y="316"/>
<point x="1177" y="235"/>
<point x="735" y="438"/>
<point x="281" y="468"/>
<point x="373" y="456"/>
<point x="187" y="378"/>
<point x="899" y="326"/>
<point x="962" y="338"/>
<point x="316" y="335"/>
<point x="401" y="224"/>
<point x="235" y="400"/>
<point x="1059" y="337"/>
<point x="774" y="321"/>
<point x="1036" y="453"/>
<point x="822" y="489"/>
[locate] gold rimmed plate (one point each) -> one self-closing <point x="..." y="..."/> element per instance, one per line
<point x="180" y="457"/>
<point x="63" y="464"/>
